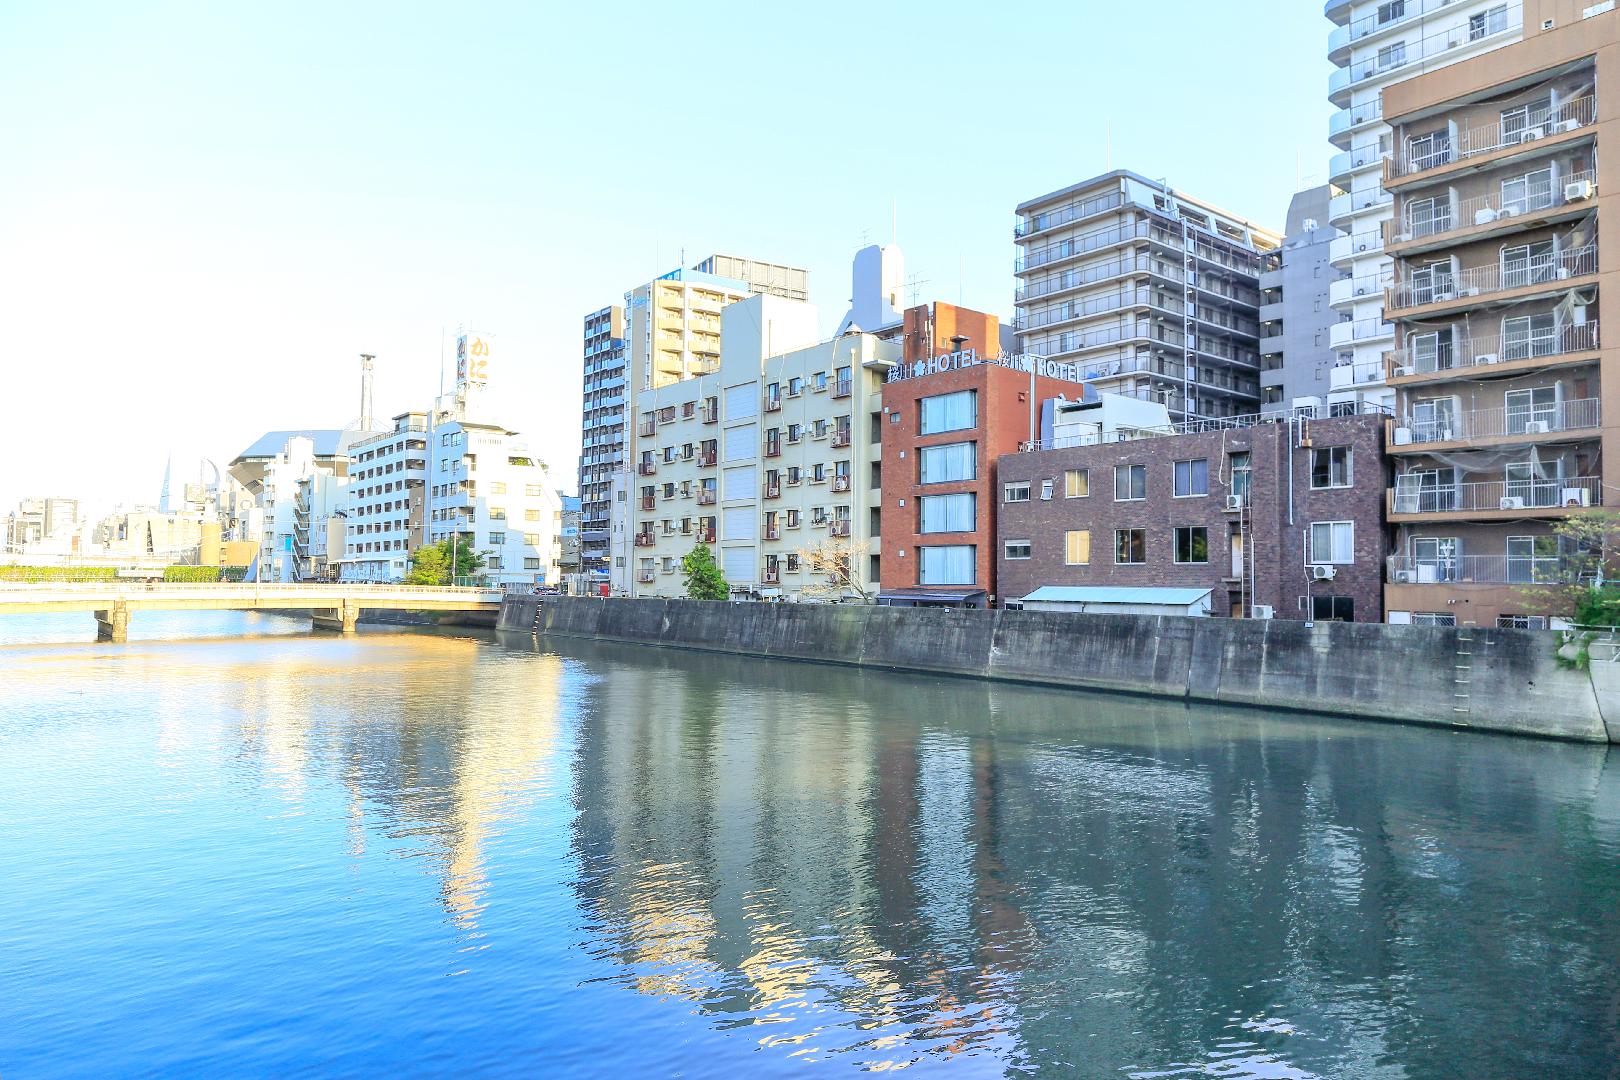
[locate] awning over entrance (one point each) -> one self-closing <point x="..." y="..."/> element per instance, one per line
<point x="973" y="598"/>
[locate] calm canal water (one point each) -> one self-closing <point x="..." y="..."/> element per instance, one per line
<point x="250" y="851"/>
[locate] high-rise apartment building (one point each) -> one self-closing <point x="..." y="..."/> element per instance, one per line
<point x="1376" y="44"/>
<point x="1296" y="314"/>
<point x="488" y="490"/>
<point x="1505" y="224"/>
<point x="1153" y="293"/>
<point x="668" y="330"/>
<point x="386" y="516"/>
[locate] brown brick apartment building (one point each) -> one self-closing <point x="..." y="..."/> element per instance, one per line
<point x="1157" y="511"/>
<point x="950" y="411"/>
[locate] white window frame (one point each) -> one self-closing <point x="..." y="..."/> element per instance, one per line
<point x="1313" y="556"/>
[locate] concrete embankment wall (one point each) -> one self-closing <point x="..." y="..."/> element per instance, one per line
<point x="1485" y="679"/>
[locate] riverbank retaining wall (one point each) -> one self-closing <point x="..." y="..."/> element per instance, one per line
<point x="1470" y="677"/>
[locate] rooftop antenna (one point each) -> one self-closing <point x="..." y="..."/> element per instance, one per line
<point x="894" y="221"/>
<point x="365" y="390"/>
<point x="914" y="284"/>
<point x="1108" y="144"/>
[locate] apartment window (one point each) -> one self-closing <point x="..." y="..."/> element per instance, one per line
<point x="497" y="487"/>
<point x="1130" y="482"/>
<point x="1520" y="117"/>
<point x="1524" y="336"/>
<point x="531" y="563"/>
<point x="943" y="464"/>
<point x="1429" y="150"/>
<point x="1528" y="264"/>
<point x="792" y="517"/>
<point x="1046" y="490"/>
<point x="497" y="514"/>
<point x="819" y="381"/>
<point x="1015" y="549"/>
<point x="1077" y="547"/>
<point x="946" y="513"/>
<point x="1330" y="467"/>
<point x="493" y="562"/>
<point x="818" y="473"/>
<point x="1388" y="13"/>
<point x="1130" y="546"/>
<point x="1076" y="483"/>
<point x="795" y="386"/>
<point x="1532" y="409"/>
<point x="1332" y="542"/>
<point x="1333" y="609"/>
<point x="1015" y="493"/>
<point x="534" y="515"/>
<point x="1393" y="55"/>
<point x="946" y="565"/>
<point x="1192" y="478"/>
<point x="1238" y="464"/>
<point x="497" y="539"/>
<point x="1427" y="216"/>
<point x="795" y="432"/>
<point x="1192" y="544"/>
<point x="1487" y="23"/>
<point x="531" y="539"/>
<point x="949" y="412"/>
<point x="1532" y="191"/>
<point x="1521" y="622"/>
<point x="794" y="474"/>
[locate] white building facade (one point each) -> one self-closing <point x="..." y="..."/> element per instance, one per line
<point x="1373" y="45"/>
<point x="489" y="490"/>
<point x="386" y="502"/>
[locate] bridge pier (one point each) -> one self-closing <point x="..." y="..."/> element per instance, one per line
<point x="112" y="624"/>
<point x="343" y="619"/>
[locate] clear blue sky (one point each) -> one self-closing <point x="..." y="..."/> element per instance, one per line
<point x="208" y="210"/>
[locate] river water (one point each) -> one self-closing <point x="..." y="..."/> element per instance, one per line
<point x="234" y="848"/>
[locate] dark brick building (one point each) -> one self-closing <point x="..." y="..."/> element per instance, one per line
<point x="1156" y="511"/>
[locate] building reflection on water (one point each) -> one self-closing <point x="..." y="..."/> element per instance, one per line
<point x="898" y="868"/>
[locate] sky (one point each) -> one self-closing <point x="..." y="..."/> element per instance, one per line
<point x="208" y="211"/>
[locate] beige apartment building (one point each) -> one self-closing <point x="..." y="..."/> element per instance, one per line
<point x="769" y="456"/>
<point x="1504" y="243"/>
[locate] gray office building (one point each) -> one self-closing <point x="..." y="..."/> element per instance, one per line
<point x="1296" y="313"/>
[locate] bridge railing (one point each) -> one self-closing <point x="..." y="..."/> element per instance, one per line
<point x="251" y="589"/>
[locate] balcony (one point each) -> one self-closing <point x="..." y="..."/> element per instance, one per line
<point x="1367" y="287"/>
<point x="1521" y="134"/>
<point x="1482" y="569"/>
<point x="644" y="576"/>
<point x="1491" y="356"/>
<point x="1068" y="215"/>
<point x="645" y="539"/>
<point x="647" y="468"/>
<point x="1346" y="163"/>
<point x="1403" y="56"/>
<point x="840" y="527"/>
<point x="706" y="497"/>
<point x="1490" y="213"/>
<point x="1343" y="249"/>
<point x="1350" y="203"/>
<point x="773" y="490"/>
<point x="707" y="459"/>
<point x="840" y="438"/>
<point x="840" y="483"/>
<point x="1494" y="499"/>
<point x="1344" y="335"/>
<point x="1515" y="423"/>
<point x="648" y="502"/>
<point x="1343" y="124"/>
<point x="773" y="403"/>
<point x="1363" y="373"/>
<point x="705" y="536"/>
<point x="1081" y="245"/>
<point x="1470" y="287"/>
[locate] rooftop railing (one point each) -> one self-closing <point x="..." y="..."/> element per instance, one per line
<point x="1128" y="433"/>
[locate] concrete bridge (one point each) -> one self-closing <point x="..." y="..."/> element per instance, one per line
<point x="335" y="606"/>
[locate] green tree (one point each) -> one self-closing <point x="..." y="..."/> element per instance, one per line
<point x="1577" y="585"/>
<point x="430" y="565"/>
<point x="704" y="581"/>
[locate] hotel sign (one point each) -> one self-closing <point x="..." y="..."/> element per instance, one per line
<point x="966" y="358"/>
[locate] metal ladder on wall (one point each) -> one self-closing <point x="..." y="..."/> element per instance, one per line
<point x="1462" y="705"/>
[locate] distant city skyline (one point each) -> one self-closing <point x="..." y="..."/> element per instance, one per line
<point x="209" y="214"/>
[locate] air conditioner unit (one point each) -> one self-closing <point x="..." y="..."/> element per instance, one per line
<point x="1575" y="497"/>
<point x="1322" y="572"/>
<point x="1441" y="295"/>
<point x="1264" y="611"/>
<point x="1535" y="427"/>
<point x="1579" y="189"/>
<point x="1402" y="436"/>
<point x="1567" y="125"/>
<point x="1361" y="247"/>
<point x="1507" y="212"/>
<point x="1234" y="502"/>
<point x="1485" y="358"/>
<point x="1484" y="216"/>
<point x="1529" y="135"/>
<point x="1511" y="502"/>
<point x="1404" y="577"/>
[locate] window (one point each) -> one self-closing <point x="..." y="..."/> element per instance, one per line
<point x="819" y="381"/>
<point x="531" y="563"/>
<point x="795" y="386"/>
<point x="946" y="513"/>
<point x="1391" y="56"/>
<point x="1076" y="483"/>
<point x="1388" y="13"/>
<point x="1046" y="489"/>
<point x="793" y="563"/>
<point x="496" y="487"/>
<point x="1015" y="549"/>
<point x="1077" y="547"/>
<point x="1130" y="482"/>
<point x="1425" y="217"/>
<point x="1524" y="336"/>
<point x="942" y="464"/>
<point x="1333" y="609"/>
<point x="1015" y="493"/>
<point x="1532" y="191"/>
<point x="497" y="514"/>
<point x="533" y="489"/>
<point x="818" y="472"/>
<point x="792" y="519"/>
<point x="493" y="562"/>
<point x="820" y="429"/>
<point x="794" y="475"/>
<point x="1330" y="467"/>
<point x="1528" y="264"/>
<point x="1485" y="24"/>
<point x="795" y="432"/>
<point x="1521" y="622"/>
<point x="946" y="565"/>
<point x="1130" y="546"/>
<point x="1238" y="463"/>
<point x="534" y="515"/>
<point x="1332" y="542"/>
<point x="497" y="539"/>
<point x="1427" y="151"/>
<point x="1192" y="544"/>
<point x="1192" y="478"/>
<point x="948" y="412"/>
<point x="531" y="539"/>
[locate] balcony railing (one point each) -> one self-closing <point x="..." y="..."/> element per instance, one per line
<point x="773" y="532"/>
<point x="840" y="483"/>
<point x="1475" y="496"/>
<point x="647" y="468"/>
<point x="645" y="539"/>
<point x="1366" y="242"/>
<point x="773" y="491"/>
<point x="840" y="438"/>
<point x="648" y="502"/>
<point x="707" y="459"/>
<point x="1080" y="245"/>
<point x="644" y="576"/>
<point x="770" y="575"/>
<point x="773" y="403"/>
<point x="1066" y="215"/>
<point x="840" y="527"/>
<point x="706" y="497"/>
<point x="1485" y="350"/>
<point x="1482" y="569"/>
<point x="1494" y="206"/>
<point x="1494" y="278"/>
<point x="773" y="447"/>
<point x="1418" y="155"/>
<point x="1480" y="28"/>
<point x="1578" y="414"/>
<point x="705" y="536"/>
<point x="842" y="388"/>
<point x="1347" y="333"/>
<point x="709" y="414"/>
